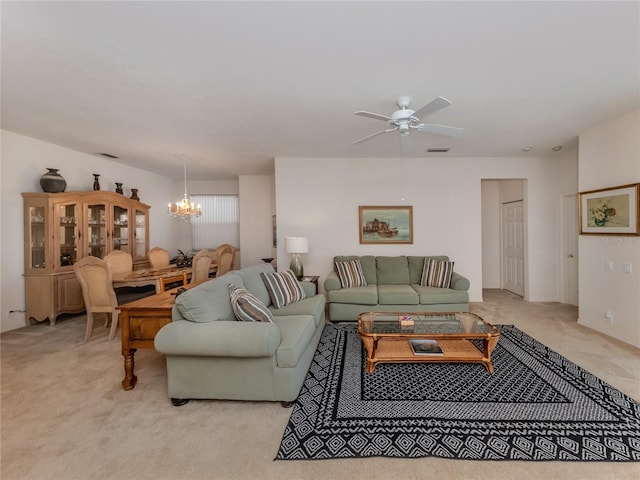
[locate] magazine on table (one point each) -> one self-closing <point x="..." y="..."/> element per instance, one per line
<point x="425" y="347"/>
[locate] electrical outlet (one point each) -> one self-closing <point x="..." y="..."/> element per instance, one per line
<point x="608" y="316"/>
<point x="608" y="266"/>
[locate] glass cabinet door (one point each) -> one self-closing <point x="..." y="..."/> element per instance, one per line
<point x="66" y="222"/>
<point x="96" y="238"/>
<point x="141" y="235"/>
<point x="37" y="242"/>
<point x="120" y="232"/>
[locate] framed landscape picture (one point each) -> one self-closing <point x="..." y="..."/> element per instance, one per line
<point x="384" y="225"/>
<point x="610" y="211"/>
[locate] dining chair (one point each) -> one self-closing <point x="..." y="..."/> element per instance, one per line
<point x="158" y="257"/>
<point x="200" y="265"/>
<point x="225" y="254"/>
<point x="95" y="279"/>
<point x="120" y="263"/>
<point x="177" y="280"/>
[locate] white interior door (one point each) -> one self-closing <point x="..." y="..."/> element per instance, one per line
<point x="513" y="247"/>
<point x="571" y="249"/>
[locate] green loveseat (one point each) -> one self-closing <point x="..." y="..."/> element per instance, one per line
<point x="393" y="285"/>
<point x="211" y="355"/>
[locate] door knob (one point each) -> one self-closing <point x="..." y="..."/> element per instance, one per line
<point x="570" y="255"/>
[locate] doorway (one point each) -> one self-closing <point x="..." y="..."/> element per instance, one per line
<point x="504" y="227"/>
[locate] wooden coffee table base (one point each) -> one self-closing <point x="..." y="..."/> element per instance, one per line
<point x="398" y="350"/>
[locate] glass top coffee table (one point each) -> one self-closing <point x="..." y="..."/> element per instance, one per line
<point x="401" y="337"/>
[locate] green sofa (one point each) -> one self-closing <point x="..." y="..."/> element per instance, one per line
<point x="393" y="285"/>
<point x="211" y="355"/>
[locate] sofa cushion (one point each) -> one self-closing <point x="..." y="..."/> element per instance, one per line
<point x="436" y="273"/>
<point x="350" y="274"/>
<point x="283" y="288"/>
<point x="296" y="332"/>
<point x="358" y="295"/>
<point x="392" y="270"/>
<point x="253" y="282"/>
<point x="368" y="263"/>
<point x="209" y="301"/>
<point x="397" y="295"/>
<point x="435" y="295"/>
<point x="247" y="307"/>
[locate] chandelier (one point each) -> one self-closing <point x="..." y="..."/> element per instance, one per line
<point x="185" y="209"/>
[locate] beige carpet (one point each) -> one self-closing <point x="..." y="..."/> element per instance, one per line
<point x="65" y="415"/>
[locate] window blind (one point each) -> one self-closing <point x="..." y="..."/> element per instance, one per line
<point x="219" y="222"/>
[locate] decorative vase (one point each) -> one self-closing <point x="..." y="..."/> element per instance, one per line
<point x="119" y="188"/>
<point x="600" y="222"/>
<point x="96" y="182"/>
<point x="52" y="181"/>
<point x="296" y="266"/>
<point x="134" y="194"/>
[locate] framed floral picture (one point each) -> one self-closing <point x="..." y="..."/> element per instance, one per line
<point x="384" y="225"/>
<point x="610" y="211"/>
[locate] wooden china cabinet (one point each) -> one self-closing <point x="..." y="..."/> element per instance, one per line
<point x="60" y="229"/>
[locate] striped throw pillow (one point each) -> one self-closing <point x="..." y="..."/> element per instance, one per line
<point x="283" y="288"/>
<point x="436" y="273"/>
<point x="350" y="274"/>
<point x="246" y="307"/>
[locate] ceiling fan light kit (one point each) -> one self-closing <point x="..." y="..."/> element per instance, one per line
<point x="405" y="119"/>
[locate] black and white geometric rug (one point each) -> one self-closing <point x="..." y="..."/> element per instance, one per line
<point x="536" y="406"/>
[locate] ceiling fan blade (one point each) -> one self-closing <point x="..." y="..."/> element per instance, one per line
<point x="441" y="130"/>
<point x="431" y="107"/>
<point x="405" y="143"/>
<point x="375" y="116"/>
<point x="370" y="136"/>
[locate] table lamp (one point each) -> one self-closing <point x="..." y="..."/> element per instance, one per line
<point x="296" y="246"/>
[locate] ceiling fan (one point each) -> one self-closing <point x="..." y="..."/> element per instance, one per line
<point x="405" y="119"/>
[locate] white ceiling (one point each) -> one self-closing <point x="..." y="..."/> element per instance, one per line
<point x="232" y="85"/>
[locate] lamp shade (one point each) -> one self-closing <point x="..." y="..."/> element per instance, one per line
<point x="296" y="244"/>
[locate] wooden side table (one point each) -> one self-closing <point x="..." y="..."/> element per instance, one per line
<point x="140" y="321"/>
<point x="313" y="279"/>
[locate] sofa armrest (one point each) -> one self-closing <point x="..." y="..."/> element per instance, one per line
<point x="309" y="288"/>
<point x="218" y="339"/>
<point x="458" y="282"/>
<point x="332" y="282"/>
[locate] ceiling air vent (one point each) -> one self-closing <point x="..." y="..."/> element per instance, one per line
<point x="108" y="155"/>
<point x="438" y="150"/>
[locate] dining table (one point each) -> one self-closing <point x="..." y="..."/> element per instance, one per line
<point x="152" y="276"/>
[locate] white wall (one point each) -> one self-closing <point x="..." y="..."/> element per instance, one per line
<point x="319" y="198"/>
<point x="24" y="160"/>
<point x="256" y="210"/>
<point x="491" y="234"/>
<point x="609" y="155"/>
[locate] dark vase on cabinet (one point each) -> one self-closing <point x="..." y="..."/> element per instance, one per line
<point x="52" y="181"/>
